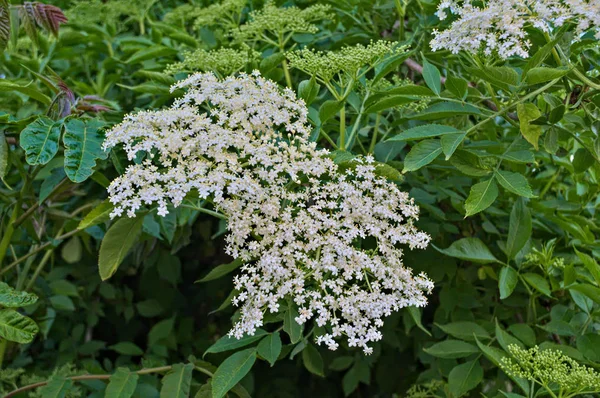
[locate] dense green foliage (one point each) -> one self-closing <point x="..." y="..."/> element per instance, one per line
<point x="502" y="157"/>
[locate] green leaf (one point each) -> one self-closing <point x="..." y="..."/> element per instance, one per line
<point x="341" y="363"/>
<point x="507" y="281"/>
<point x="527" y="113"/>
<point x="590" y="291"/>
<point x="313" y="361"/>
<point x="57" y="387"/>
<point x="152" y="52"/>
<point x="231" y="371"/>
<point x="83" y="146"/>
<point x="422" y="154"/>
<point x="470" y="249"/>
<point x="468" y="163"/>
<point x="227" y="343"/>
<point x="396" y="96"/>
<point x="519" y="229"/>
<point x="432" y="77"/>
<point x="127" y="348"/>
<point x="590" y="264"/>
<point x="582" y="160"/>
<point x="457" y="86"/>
<point x="543" y="74"/>
<point x="500" y="76"/>
<point x="424" y="131"/>
<point x="589" y="345"/>
<point x="416" y="315"/>
<point x="515" y="183"/>
<point x="464" y="330"/>
<point x="29" y="90"/>
<point x="117" y="242"/>
<point x="308" y="90"/>
<point x="121" y="384"/>
<point x="481" y="197"/>
<point x="465" y="377"/>
<point x="505" y="339"/>
<point x="270" y="347"/>
<point x="10" y="297"/>
<point x="290" y="326"/>
<point x="450" y="142"/>
<point x="160" y="331"/>
<point x="538" y="282"/>
<point x="443" y="110"/>
<point x="40" y="140"/>
<point x="177" y="383"/>
<point x="221" y="270"/>
<point x="540" y="55"/>
<point x="495" y="356"/>
<point x="329" y="109"/>
<point x="16" y="327"/>
<point x="98" y="215"/>
<point x="451" y="349"/>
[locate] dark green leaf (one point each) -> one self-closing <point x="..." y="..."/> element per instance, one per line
<point x="508" y="281"/>
<point x="227" y="343"/>
<point x="481" y="197"/>
<point x="589" y="345"/>
<point x="313" y="361"/>
<point x="465" y="377"/>
<point x="470" y="249"/>
<point x="10" y="297"/>
<point x="127" y="348"/>
<point x="221" y="270"/>
<point x="270" y="347"/>
<point x="519" y="229"/>
<point x="57" y="387"/>
<point x="290" y="326"/>
<point x="538" y="282"/>
<point x="117" y="242"/>
<point x="40" y="140"/>
<point x="231" y="371"/>
<point x="424" y="131"/>
<point x="451" y="349"/>
<point x="432" y="77"/>
<point x="329" y="109"/>
<point x="422" y="154"/>
<point x="177" y="383"/>
<point x="465" y="330"/>
<point x="83" y="146"/>
<point x="121" y="384"/>
<point x="450" y="142"/>
<point x="444" y="110"/>
<point x="515" y="183"/>
<point x="16" y="327"/>
<point x="457" y="86"/>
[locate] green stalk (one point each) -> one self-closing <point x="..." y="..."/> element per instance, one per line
<point x="343" y="128"/>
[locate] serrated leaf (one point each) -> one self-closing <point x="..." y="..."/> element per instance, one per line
<point x="177" y="383"/>
<point x="481" y="196"/>
<point x="231" y="371"/>
<point x="119" y="239"/>
<point x="40" y="140"/>
<point x="121" y="384"/>
<point x="227" y="343"/>
<point x="12" y="298"/>
<point x="28" y="90"/>
<point x="538" y="282"/>
<point x="57" y="387"/>
<point x="422" y="154"/>
<point x="470" y="249"/>
<point x="98" y="215"/>
<point x="465" y="377"/>
<point x="449" y="349"/>
<point x="590" y="264"/>
<point x="457" y="86"/>
<point x="515" y="183"/>
<point x="543" y="74"/>
<point x="424" y="131"/>
<point x="83" y="146"/>
<point x="16" y="327"/>
<point x="443" y="110"/>
<point x="527" y="113"/>
<point x="507" y="281"/>
<point x="270" y="347"/>
<point x="450" y="142"/>
<point x="519" y="229"/>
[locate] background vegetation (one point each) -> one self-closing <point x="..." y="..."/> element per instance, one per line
<point x="505" y="173"/>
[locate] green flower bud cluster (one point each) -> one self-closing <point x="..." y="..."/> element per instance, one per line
<point x="96" y="11"/>
<point x="544" y="257"/>
<point x="425" y="390"/>
<point x="346" y="61"/>
<point x="281" y="22"/>
<point x="223" y="61"/>
<point x="551" y="369"/>
<point x="222" y="13"/>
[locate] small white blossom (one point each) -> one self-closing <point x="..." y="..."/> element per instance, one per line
<point x="500" y="26"/>
<point x="306" y="230"/>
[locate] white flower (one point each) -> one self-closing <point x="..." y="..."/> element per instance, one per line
<point x="307" y="231"/>
<point x="499" y="27"/>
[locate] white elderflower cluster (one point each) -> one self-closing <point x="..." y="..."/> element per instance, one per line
<point x="305" y="229"/>
<point x="500" y="26"/>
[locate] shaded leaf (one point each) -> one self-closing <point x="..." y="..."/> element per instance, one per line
<point x="465" y="377"/>
<point x="508" y="281"/>
<point x="57" y="387"/>
<point x="231" y="371"/>
<point x="10" y="297"/>
<point x="117" y="242"/>
<point x="451" y="349"/>
<point x="121" y="384"/>
<point x="221" y="270"/>
<point x="519" y="229"/>
<point x="470" y="249"/>
<point x="227" y="343"/>
<point x="424" y="131"/>
<point x="270" y="347"/>
<point x="177" y="383"/>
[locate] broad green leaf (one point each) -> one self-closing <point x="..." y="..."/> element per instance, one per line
<point x="160" y="331"/>
<point x="443" y="110"/>
<point x="71" y="251"/>
<point x="515" y="183"/>
<point x="451" y="349"/>
<point x="465" y="377"/>
<point x="10" y="297"/>
<point x="495" y="356"/>
<point x="329" y="109"/>
<point x="231" y="371"/>
<point x="457" y="86"/>
<point x="127" y="348"/>
<point x="539" y="56"/>
<point x="507" y="281"/>
<point x="98" y="215"/>
<point x="221" y="270"/>
<point x="57" y="387"/>
<point x="290" y="326"/>
<point x="519" y="157"/>
<point x="49" y="184"/>
<point x="500" y="76"/>
<point x="83" y="146"/>
<point x="16" y="327"/>
<point x="590" y="264"/>
<point x="152" y="52"/>
<point x="29" y="90"/>
<point x="470" y="249"/>
<point x="481" y="197"/>
<point x="505" y="339"/>
<point x="227" y="343"/>
<point x="416" y="315"/>
<point x="422" y="154"/>
<point x="582" y="160"/>
<point x="424" y="131"/>
<point x="450" y="142"/>
<point x="464" y="330"/>
<point x="40" y="140"/>
<point x="543" y="74"/>
<point x="119" y="239"/>
<point x="395" y="97"/>
<point x="589" y="346"/>
<point x="308" y="90"/>
<point x="589" y="291"/>
<point x="177" y="383"/>
<point x="313" y="361"/>
<point x="519" y="229"/>
<point x="523" y="332"/>
<point x="538" y="282"/>
<point x="468" y="163"/>
<point x="341" y="363"/>
<point x="121" y="384"/>
<point x="527" y="113"/>
<point x="270" y="347"/>
<point x="432" y="77"/>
